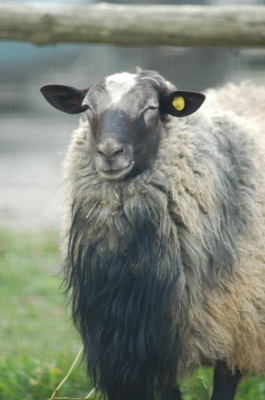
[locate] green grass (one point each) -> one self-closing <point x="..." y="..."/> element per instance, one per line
<point x="37" y="341"/>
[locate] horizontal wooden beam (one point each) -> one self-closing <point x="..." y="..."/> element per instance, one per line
<point x="138" y="25"/>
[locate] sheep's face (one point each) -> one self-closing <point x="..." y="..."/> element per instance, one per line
<point x="124" y="112"/>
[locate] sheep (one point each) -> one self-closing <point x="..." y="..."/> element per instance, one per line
<point x="163" y="238"/>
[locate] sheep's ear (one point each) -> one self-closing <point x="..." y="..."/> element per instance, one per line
<point x="65" y="98"/>
<point x="181" y="103"/>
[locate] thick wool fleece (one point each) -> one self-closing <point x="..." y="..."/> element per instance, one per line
<point x="205" y="197"/>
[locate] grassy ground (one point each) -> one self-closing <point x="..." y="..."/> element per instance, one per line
<point x="37" y="341"/>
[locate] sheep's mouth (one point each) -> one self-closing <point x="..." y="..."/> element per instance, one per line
<point x="114" y="175"/>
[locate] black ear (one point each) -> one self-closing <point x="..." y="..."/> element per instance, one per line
<point x="181" y="103"/>
<point x="65" y="98"/>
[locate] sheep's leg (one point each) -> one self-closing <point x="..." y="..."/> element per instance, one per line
<point x="225" y="383"/>
<point x="174" y="394"/>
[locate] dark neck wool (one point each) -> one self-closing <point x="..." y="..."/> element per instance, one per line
<point x="124" y="269"/>
<point x="131" y="263"/>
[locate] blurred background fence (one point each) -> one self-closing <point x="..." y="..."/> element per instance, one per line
<point x="34" y="137"/>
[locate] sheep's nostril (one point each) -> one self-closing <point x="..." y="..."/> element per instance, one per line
<point x="118" y="151"/>
<point x="109" y="152"/>
<point x="100" y="152"/>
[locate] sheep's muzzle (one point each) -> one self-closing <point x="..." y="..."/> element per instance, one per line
<point x="113" y="160"/>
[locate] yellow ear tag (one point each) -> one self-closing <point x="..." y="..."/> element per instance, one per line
<point x="179" y="103"/>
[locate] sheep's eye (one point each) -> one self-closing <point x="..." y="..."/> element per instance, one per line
<point x="89" y="108"/>
<point x="151" y="108"/>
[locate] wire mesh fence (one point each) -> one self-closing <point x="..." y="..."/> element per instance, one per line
<point x="34" y="137"/>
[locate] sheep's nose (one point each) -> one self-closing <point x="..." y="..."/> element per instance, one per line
<point x="109" y="149"/>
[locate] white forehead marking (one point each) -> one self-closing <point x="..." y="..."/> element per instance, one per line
<point x="119" y="84"/>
